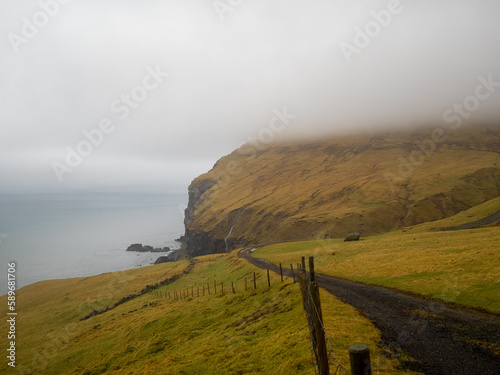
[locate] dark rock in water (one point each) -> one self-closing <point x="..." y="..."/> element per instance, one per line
<point x="138" y="247"/>
<point x="135" y="247"/>
<point x="174" y="256"/>
<point x="352" y="237"/>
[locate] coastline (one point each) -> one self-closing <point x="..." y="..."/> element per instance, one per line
<point x="85" y="234"/>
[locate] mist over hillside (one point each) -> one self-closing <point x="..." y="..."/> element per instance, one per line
<point x="373" y="182"/>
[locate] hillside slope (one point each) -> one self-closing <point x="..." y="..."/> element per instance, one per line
<point x="370" y="183"/>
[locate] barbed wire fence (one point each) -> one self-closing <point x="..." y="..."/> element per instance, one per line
<point x="322" y="353"/>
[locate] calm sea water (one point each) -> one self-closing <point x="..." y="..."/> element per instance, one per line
<point x="53" y="236"/>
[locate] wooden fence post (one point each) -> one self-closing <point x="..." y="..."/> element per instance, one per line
<point x="208" y="287"/>
<point x="360" y="360"/>
<point x="293" y="275"/>
<point x="245" y="283"/>
<point x="215" y="287"/>
<point x="232" y="287"/>
<point x="318" y="321"/>
<point x="222" y="286"/>
<point x="192" y="293"/>
<point x="268" y="279"/>
<point x="311" y="268"/>
<point x="203" y="290"/>
<point x="254" y="283"/>
<point x="281" y="273"/>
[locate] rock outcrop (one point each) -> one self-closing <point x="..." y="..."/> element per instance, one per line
<point x="146" y="248"/>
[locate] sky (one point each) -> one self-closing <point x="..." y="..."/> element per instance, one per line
<point x="130" y="94"/>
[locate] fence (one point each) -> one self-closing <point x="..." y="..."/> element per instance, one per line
<point x="321" y="351"/>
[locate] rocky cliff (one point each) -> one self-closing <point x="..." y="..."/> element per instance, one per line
<point x="369" y="183"/>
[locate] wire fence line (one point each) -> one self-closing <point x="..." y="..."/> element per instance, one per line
<point x="323" y="354"/>
<point x="332" y="357"/>
<point x="312" y="307"/>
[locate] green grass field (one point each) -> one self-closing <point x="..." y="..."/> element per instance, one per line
<point x="262" y="331"/>
<point x="461" y="266"/>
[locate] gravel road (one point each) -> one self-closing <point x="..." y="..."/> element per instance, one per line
<point x="442" y="339"/>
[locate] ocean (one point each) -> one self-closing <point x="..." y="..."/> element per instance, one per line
<point x="55" y="236"/>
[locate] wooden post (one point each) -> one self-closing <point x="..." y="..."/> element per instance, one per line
<point x="245" y="283"/>
<point x="208" y="287"/>
<point x="254" y="283"/>
<point x="203" y="290"/>
<point x="268" y="279"/>
<point x="360" y="360"/>
<point x="319" y="332"/>
<point x="232" y="287"/>
<point x="293" y="275"/>
<point x="302" y="279"/>
<point x="281" y="273"/>
<point x="311" y="269"/>
<point x="192" y="293"/>
<point x="222" y="286"/>
<point x="215" y="287"/>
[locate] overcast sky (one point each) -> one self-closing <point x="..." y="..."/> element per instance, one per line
<point x="174" y="85"/>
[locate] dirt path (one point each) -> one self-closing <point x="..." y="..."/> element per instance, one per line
<point x="476" y="224"/>
<point x="442" y="340"/>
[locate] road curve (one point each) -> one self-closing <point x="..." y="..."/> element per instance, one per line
<point x="442" y="340"/>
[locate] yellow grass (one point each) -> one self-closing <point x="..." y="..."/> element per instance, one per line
<point x="248" y="332"/>
<point x="327" y="188"/>
<point x="460" y="266"/>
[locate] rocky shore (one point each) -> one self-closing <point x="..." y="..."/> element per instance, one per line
<point x="146" y="248"/>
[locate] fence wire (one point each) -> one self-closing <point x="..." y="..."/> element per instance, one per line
<point x="331" y="354"/>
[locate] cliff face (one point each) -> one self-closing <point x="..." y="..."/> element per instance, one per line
<point x="198" y="241"/>
<point x="370" y="183"/>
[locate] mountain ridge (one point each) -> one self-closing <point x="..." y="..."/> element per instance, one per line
<point x="313" y="189"/>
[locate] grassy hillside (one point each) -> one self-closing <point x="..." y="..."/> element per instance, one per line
<point x="459" y="266"/>
<point x="371" y="183"/>
<point x="261" y="331"/>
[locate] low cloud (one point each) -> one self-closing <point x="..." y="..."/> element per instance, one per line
<point x="227" y="74"/>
